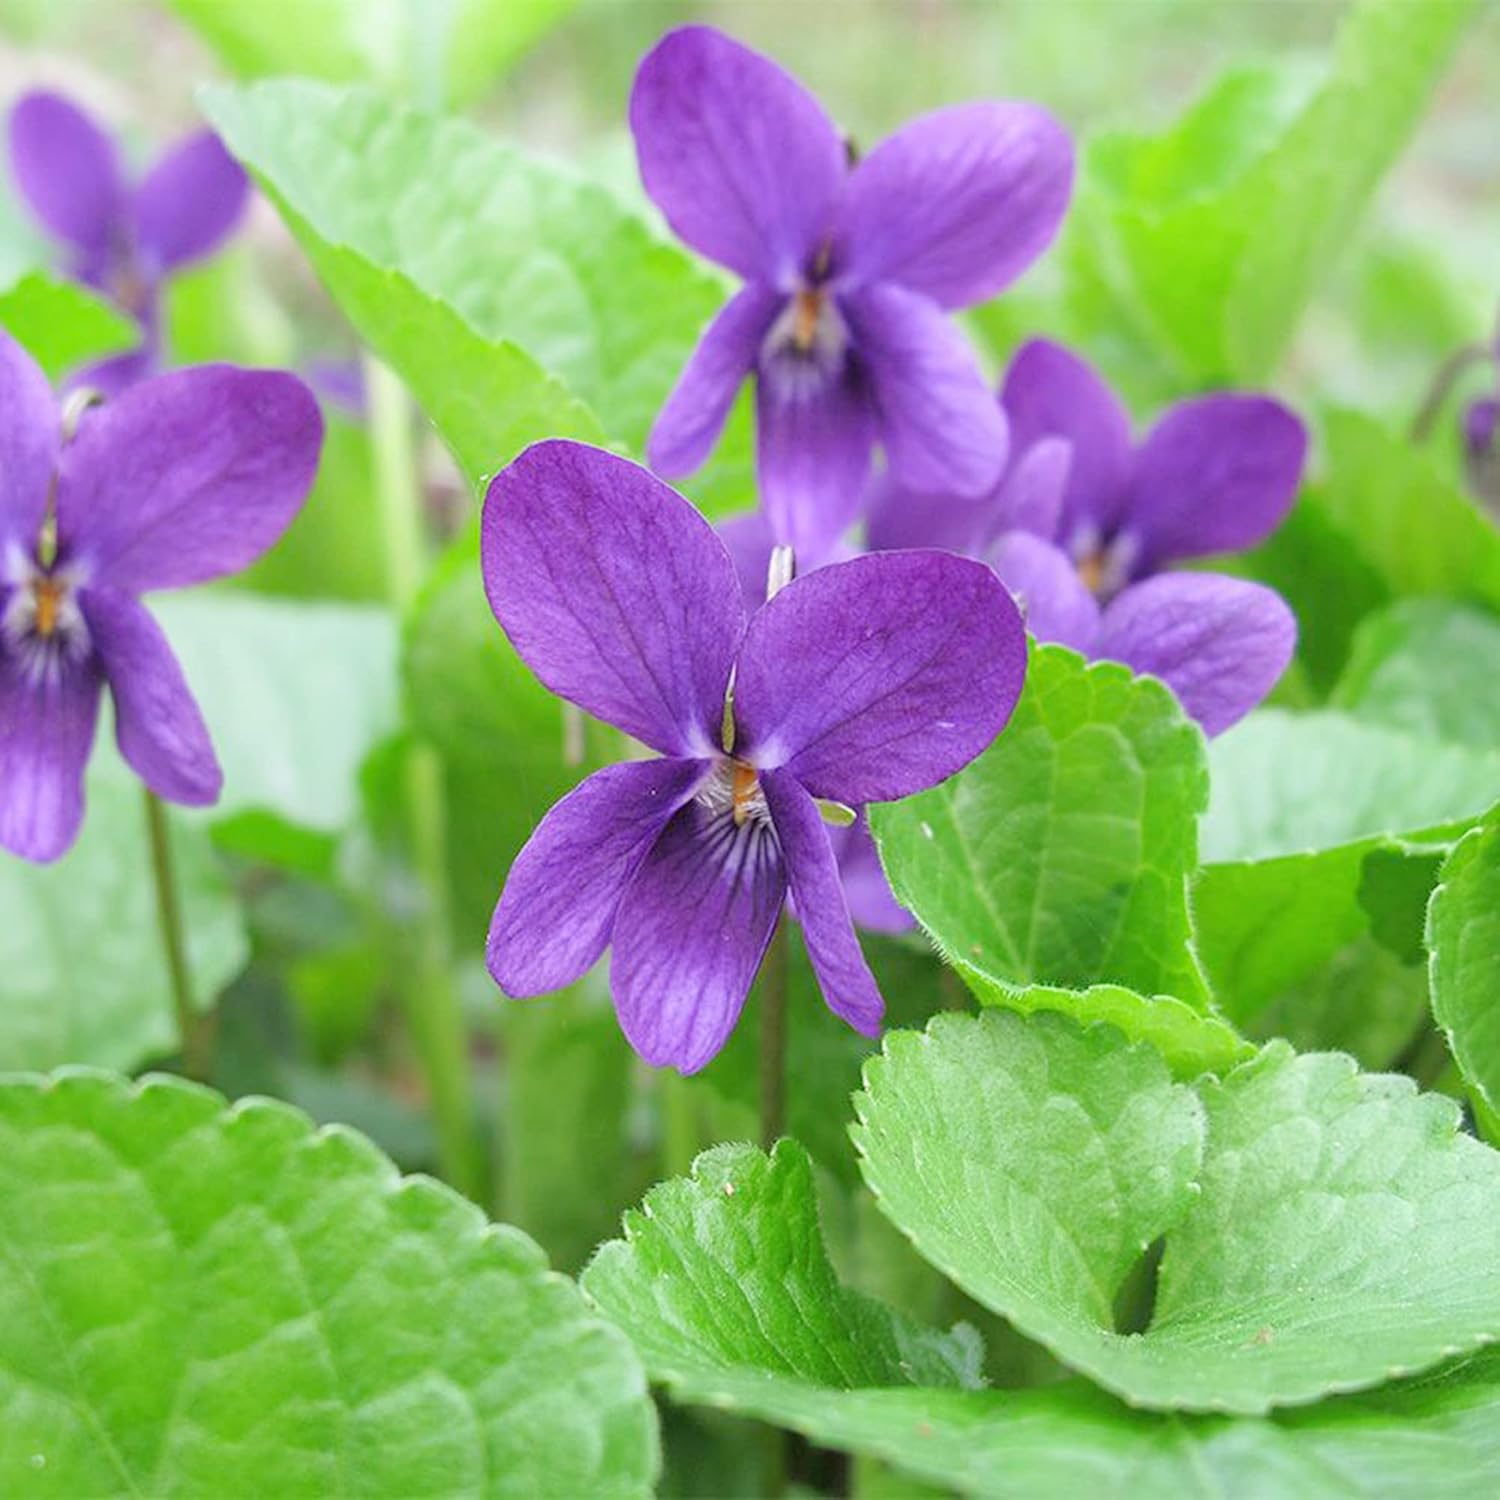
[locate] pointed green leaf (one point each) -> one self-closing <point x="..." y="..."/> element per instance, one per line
<point x="1035" y="1163"/>
<point x="198" y="1296"/>
<point x="1061" y="856"/>
<point x="505" y="291"/>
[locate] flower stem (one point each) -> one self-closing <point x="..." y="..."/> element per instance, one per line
<point x="773" y="988"/>
<point x="433" y="1012"/>
<point x="194" y="1037"/>
<point x="1442" y="385"/>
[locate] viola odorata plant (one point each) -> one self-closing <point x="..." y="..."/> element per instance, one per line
<point x="121" y="235"/>
<point x="865" y="681"/>
<point x="1087" y="527"/>
<point x="851" y="269"/>
<point x="183" y="478"/>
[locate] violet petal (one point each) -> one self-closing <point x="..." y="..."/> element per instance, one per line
<point x="1219" y="643"/>
<point x="812" y="452"/>
<point x="690" y="933"/>
<point x="190" y="201"/>
<point x="1054" y="601"/>
<point x="878" y="677"/>
<point x="558" y="907"/>
<point x="740" y="158"/>
<point x="67" y="169"/>
<point x="956" y="204"/>
<point x="941" y="427"/>
<point x="158" y="725"/>
<point x="46" y="732"/>
<point x="615" y="591"/>
<point x="1215" y="474"/>
<point x="688" y="426"/>
<point x="29" y="423"/>
<point x="187" y="476"/>
<point x="848" y="986"/>
<point x="1050" y="392"/>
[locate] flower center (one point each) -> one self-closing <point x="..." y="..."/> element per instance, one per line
<point x="41" y="622"/>
<point x="805" y="347"/>
<point x="734" y="788"/>
<point x="1104" y="564"/>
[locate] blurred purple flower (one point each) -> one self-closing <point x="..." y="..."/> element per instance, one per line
<point x="122" y="239"/>
<point x="1085" y="524"/>
<point x="183" y="478"/>
<point x="849" y="275"/>
<point x="1481" y="434"/>
<point x="864" y="681"/>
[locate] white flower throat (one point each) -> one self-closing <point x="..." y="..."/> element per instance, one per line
<point x="42" y="623"/>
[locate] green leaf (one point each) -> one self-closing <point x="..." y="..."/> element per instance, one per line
<point x="1427" y="667"/>
<point x="1301" y="806"/>
<point x="1061" y="856"/>
<point x="1172" y="244"/>
<point x="83" y="975"/>
<point x="721" y="1295"/>
<point x="198" y="1296"/>
<point x="1463" y="935"/>
<point x="440" y="52"/>
<point x="1035" y="1164"/>
<point x="695" y="1286"/>
<point x="506" y="292"/>
<point x="61" y="324"/>
<point x="1402" y="517"/>
<point x="295" y="696"/>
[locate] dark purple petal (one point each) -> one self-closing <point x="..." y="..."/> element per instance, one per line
<point x="558" y="907"/>
<point x="958" y="203"/>
<point x="1054" y="601"/>
<point x="748" y="540"/>
<point x="190" y="201"/>
<point x="872" y="903"/>
<point x="942" y="428"/>
<point x="67" y="170"/>
<point x="812" y="458"/>
<point x="736" y="153"/>
<point x="1215" y="474"/>
<point x="690" y="933"/>
<point x="898" y="518"/>
<point x="689" y="424"/>
<point x="1051" y="392"/>
<point x="158" y="726"/>
<point x="28" y="448"/>
<point x="46" y="731"/>
<point x="1219" y="643"/>
<point x="187" y="476"/>
<point x="875" y="678"/>
<point x="615" y="591"/>
<point x="848" y="986"/>
<point x="1031" y="494"/>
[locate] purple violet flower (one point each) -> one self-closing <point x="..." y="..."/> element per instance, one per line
<point x="865" y="681"/>
<point x="182" y="478"/>
<point x="122" y="239"/>
<point x="850" y="273"/>
<point x="1085" y="524"/>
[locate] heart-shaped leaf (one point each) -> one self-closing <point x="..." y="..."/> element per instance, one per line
<point x="200" y="1299"/>
<point x="1034" y="1163"/>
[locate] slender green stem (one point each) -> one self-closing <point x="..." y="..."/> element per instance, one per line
<point x="434" y="1014"/>
<point x="1442" y="385"/>
<point x="194" y="1036"/>
<point x="680" y="1134"/>
<point x="773" y="988"/>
